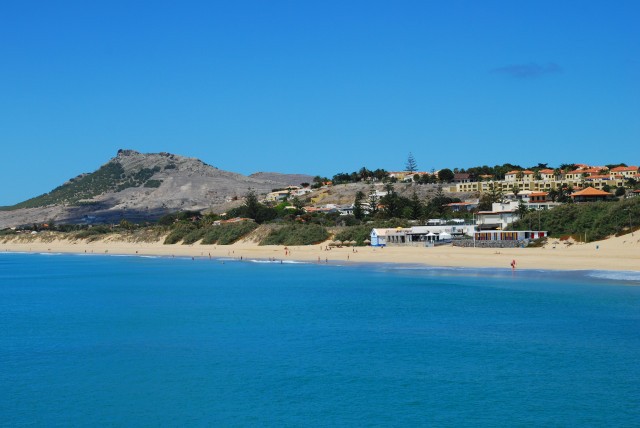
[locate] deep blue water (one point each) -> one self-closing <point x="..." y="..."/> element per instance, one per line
<point x="132" y="341"/>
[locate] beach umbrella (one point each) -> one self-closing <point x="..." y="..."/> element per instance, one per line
<point x="338" y="242"/>
<point x="352" y="242"/>
<point x="367" y="241"/>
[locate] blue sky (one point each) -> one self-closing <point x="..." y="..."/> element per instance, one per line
<point x="315" y="87"/>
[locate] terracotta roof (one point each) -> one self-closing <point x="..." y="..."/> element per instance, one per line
<point x="547" y="171"/>
<point x="512" y="172"/>
<point x="624" y="168"/>
<point x="538" y="194"/>
<point x="590" y="191"/>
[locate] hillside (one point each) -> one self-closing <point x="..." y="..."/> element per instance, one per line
<point x="139" y="186"/>
<point x="289" y="179"/>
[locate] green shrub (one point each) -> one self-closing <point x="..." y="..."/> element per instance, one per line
<point x="193" y="236"/>
<point x="178" y="233"/>
<point x="227" y="234"/>
<point x="153" y="183"/>
<point x="355" y="233"/>
<point x="596" y="220"/>
<point x="296" y="235"/>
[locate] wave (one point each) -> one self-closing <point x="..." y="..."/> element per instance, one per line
<point x="615" y="275"/>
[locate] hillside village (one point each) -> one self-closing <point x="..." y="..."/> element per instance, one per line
<point x="495" y="205"/>
<point x="480" y="206"/>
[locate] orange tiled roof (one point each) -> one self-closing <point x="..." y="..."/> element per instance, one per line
<point x="590" y="191"/>
<point x="624" y="168"/>
<point x="538" y="194"/>
<point x="547" y="171"/>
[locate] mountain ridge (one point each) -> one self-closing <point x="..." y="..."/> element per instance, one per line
<point x="140" y="186"/>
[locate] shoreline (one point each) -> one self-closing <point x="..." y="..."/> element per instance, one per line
<point x="613" y="254"/>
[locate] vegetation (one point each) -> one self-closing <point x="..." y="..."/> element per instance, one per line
<point x="585" y="222"/>
<point x="411" y="165"/>
<point x="227" y="234"/>
<point x="296" y="234"/>
<point x="355" y="233"/>
<point x="153" y="183"/>
<point x="109" y="177"/>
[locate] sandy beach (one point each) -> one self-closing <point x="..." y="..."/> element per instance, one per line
<point x="618" y="253"/>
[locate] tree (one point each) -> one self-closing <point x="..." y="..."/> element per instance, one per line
<point x="620" y="191"/>
<point x="411" y="165"/>
<point x="373" y="202"/>
<point x="299" y="206"/>
<point x="358" y="212"/>
<point x="416" y="206"/>
<point x="393" y="204"/>
<point x="251" y="204"/>
<point x="445" y="175"/>
<point x="522" y="209"/>
<point x="515" y="190"/>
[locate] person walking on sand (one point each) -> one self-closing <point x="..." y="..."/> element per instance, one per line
<point x="513" y="264"/>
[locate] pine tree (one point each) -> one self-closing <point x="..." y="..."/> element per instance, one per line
<point x="411" y="165"/>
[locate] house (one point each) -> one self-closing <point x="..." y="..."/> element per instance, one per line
<point x="278" y="195"/>
<point x="462" y="206"/>
<point x="537" y="197"/>
<point x="500" y="216"/>
<point x="590" y="194"/>
<point x="461" y="178"/>
<point x="625" y="171"/>
<point x="547" y="174"/>
<point x="345" y="209"/>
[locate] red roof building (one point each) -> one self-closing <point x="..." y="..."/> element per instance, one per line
<point x="590" y="194"/>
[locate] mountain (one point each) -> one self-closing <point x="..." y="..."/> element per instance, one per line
<point x="288" y="179"/>
<point x="138" y="186"/>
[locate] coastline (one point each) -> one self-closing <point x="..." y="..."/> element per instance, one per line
<point x="613" y="254"/>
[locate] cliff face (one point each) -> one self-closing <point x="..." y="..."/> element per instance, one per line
<point x="138" y="186"/>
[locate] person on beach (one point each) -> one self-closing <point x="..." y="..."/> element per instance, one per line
<point x="513" y="264"/>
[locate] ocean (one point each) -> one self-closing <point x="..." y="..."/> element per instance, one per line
<point x="140" y="341"/>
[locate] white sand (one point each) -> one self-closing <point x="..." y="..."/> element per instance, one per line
<point x="621" y="253"/>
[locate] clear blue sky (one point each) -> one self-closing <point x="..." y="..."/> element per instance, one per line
<point x="315" y="87"/>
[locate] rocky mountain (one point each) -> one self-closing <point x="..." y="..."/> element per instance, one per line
<point x="289" y="179"/>
<point x="138" y="186"/>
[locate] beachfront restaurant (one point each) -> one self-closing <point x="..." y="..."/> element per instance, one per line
<point x="417" y="235"/>
<point x="514" y="235"/>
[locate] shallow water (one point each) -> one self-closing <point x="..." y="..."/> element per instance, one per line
<point x="103" y="340"/>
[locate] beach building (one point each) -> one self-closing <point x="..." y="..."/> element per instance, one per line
<point x="500" y="216"/>
<point x="383" y="237"/>
<point x="420" y="235"/>
<point x="514" y="235"/>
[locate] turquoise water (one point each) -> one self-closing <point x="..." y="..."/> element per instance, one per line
<point x="133" y="341"/>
